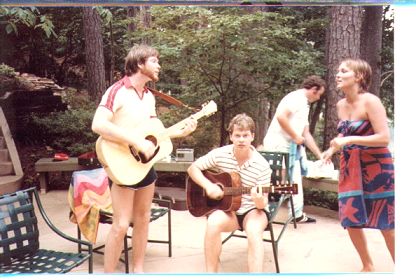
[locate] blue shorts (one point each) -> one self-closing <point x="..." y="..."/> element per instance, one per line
<point x="147" y="180"/>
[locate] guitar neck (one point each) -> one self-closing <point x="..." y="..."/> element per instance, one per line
<point x="180" y="125"/>
<point x="279" y="189"/>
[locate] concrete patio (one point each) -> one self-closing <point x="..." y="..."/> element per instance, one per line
<point x="323" y="247"/>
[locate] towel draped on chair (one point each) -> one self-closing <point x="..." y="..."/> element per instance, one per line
<point x="89" y="193"/>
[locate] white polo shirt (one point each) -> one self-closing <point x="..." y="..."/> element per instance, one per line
<point x="131" y="108"/>
<point x="276" y="139"/>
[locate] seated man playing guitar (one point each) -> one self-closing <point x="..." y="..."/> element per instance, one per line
<point x="125" y="109"/>
<point x="252" y="216"/>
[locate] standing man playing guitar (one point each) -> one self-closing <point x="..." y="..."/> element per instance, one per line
<point x="125" y="107"/>
<point x="252" y="216"/>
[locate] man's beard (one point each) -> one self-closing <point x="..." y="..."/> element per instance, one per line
<point x="150" y="74"/>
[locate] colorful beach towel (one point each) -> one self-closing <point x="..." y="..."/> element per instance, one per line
<point x="89" y="193"/>
<point x="366" y="182"/>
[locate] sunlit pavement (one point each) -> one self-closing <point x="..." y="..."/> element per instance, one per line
<point x="323" y="247"/>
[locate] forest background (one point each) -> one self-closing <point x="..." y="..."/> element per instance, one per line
<point x="244" y="58"/>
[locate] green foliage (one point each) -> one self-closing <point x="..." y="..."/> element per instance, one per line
<point x="48" y="42"/>
<point x="68" y="131"/>
<point x="14" y="17"/>
<point x="232" y="55"/>
<point x="321" y="198"/>
<point x="6" y="70"/>
<point x="205" y="137"/>
<point x="229" y="55"/>
<point x="387" y="63"/>
<point x="105" y="14"/>
<point x="76" y="99"/>
<point x="313" y="20"/>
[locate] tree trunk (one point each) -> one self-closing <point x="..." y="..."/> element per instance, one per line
<point x="314" y="113"/>
<point x="112" y="58"/>
<point x="145" y="16"/>
<point x="145" y="20"/>
<point x="344" y="42"/>
<point x="371" y="39"/>
<point x="262" y="121"/>
<point x="131" y="13"/>
<point x="94" y="53"/>
<point x="224" y="132"/>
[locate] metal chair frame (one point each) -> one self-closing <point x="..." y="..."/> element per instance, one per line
<point x="276" y="164"/>
<point x="19" y="244"/>
<point x="165" y="207"/>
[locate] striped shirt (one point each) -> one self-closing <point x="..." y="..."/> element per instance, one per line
<point x="254" y="172"/>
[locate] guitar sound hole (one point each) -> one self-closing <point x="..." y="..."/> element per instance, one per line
<point x="152" y="139"/>
<point x="139" y="156"/>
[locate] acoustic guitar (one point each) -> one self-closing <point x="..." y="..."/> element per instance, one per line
<point x="127" y="166"/>
<point x="199" y="204"/>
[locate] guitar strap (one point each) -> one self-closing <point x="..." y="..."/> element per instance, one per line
<point x="170" y="99"/>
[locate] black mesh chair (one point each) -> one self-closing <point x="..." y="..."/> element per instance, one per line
<point x="19" y="244"/>
<point x="276" y="200"/>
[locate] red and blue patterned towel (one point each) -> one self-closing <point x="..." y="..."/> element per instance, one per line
<point x="366" y="183"/>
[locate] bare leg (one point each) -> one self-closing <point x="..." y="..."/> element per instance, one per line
<point x="360" y="243"/>
<point x="141" y="217"/>
<point x="217" y="222"/>
<point x="254" y="224"/>
<point x="122" y="202"/>
<point x="389" y="238"/>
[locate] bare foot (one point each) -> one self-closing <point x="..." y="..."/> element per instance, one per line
<point x="368" y="268"/>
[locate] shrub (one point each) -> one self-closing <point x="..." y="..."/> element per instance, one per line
<point x="6" y="70"/>
<point x="68" y="131"/>
<point x="321" y="198"/>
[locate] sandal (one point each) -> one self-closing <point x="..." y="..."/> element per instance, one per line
<point x="305" y="219"/>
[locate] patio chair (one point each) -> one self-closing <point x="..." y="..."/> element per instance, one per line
<point x="156" y="213"/>
<point x="19" y="244"/>
<point x="280" y="175"/>
<point x="275" y="202"/>
<point x="96" y="181"/>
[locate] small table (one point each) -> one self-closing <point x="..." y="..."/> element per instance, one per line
<point x="46" y="165"/>
<point x="172" y="166"/>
